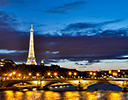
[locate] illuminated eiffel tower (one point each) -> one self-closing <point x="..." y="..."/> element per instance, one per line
<point x="31" y="60"/>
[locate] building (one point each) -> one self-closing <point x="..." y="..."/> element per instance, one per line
<point x="31" y="60"/>
<point x="42" y="62"/>
<point x="5" y="61"/>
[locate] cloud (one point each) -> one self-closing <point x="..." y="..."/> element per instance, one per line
<point x="16" y="3"/>
<point x="79" y="64"/>
<point x="92" y="61"/>
<point x="65" y="8"/>
<point x="10" y="2"/>
<point x="53" y="52"/>
<point x="84" y="25"/>
<point x="92" y="29"/>
<point x="123" y="32"/>
<point x="5" y="51"/>
<point x="7" y="20"/>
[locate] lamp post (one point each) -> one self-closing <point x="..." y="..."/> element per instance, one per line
<point x="55" y="74"/>
<point x="37" y="75"/>
<point x="75" y="73"/>
<point x="10" y="75"/>
<point x="30" y="74"/>
<point x="14" y="74"/>
<point x="48" y="74"/>
<point x="90" y="73"/>
<point x="19" y="75"/>
<point x="94" y="74"/>
<point x="70" y="73"/>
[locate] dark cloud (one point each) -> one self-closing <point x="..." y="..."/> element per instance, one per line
<point x="92" y="61"/>
<point x="92" y="29"/>
<point x="67" y="7"/>
<point x="10" y="2"/>
<point x="7" y="20"/>
<point x="123" y="32"/>
<point x="78" y="63"/>
<point x="82" y="25"/>
<point x="17" y="3"/>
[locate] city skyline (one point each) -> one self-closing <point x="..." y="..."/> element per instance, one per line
<point x="81" y="34"/>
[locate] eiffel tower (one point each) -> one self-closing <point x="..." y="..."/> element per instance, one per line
<point x="31" y="60"/>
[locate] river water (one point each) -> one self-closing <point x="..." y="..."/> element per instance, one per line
<point x="68" y="95"/>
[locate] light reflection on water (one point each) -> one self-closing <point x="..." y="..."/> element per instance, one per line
<point x="68" y="95"/>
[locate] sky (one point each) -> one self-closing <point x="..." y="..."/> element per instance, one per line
<point x="87" y="35"/>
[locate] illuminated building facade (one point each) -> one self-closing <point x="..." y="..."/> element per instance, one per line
<point x="31" y="60"/>
<point x="5" y="61"/>
<point x="42" y="62"/>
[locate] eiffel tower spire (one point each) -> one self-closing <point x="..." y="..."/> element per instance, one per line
<point x="31" y="60"/>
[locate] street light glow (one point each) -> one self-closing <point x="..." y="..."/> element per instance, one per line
<point x="69" y="73"/>
<point x="14" y="73"/>
<point x="37" y="74"/>
<point x="90" y="73"/>
<point x="55" y="74"/>
<point x="48" y="73"/>
<point x="94" y="73"/>
<point x="10" y="74"/>
<point x="29" y="74"/>
<point x="75" y="73"/>
<point x="19" y="74"/>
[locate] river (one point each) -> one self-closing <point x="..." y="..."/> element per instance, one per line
<point x="68" y="95"/>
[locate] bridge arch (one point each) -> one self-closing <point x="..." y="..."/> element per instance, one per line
<point x="104" y="86"/>
<point x="11" y="83"/>
<point x="56" y="83"/>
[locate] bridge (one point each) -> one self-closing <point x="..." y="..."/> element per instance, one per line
<point x="82" y="84"/>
